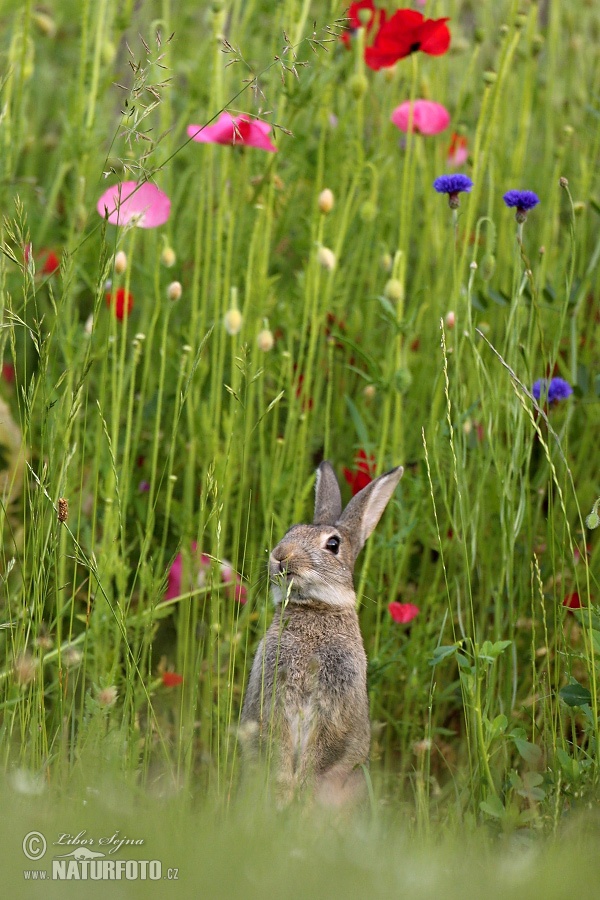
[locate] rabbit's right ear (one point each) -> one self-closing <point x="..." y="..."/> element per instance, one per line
<point x="366" y="508"/>
<point x="328" y="499"/>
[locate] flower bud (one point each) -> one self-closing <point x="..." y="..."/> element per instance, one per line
<point x="326" y="201"/>
<point x="120" y="262"/>
<point x="358" y="85"/>
<point x="107" y="696"/>
<point x="45" y="23"/>
<point x="394" y="290"/>
<point x="536" y="44"/>
<point x="450" y="319"/>
<point x="368" y="211"/>
<point x="386" y="262"/>
<point x="174" y="291"/>
<point x="488" y="266"/>
<point x="25" y="668"/>
<point x="265" y="340"/>
<point x="233" y="321"/>
<point x="168" y="257"/>
<point x="326" y="258"/>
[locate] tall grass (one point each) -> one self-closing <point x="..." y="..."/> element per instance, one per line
<point x="166" y="433"/>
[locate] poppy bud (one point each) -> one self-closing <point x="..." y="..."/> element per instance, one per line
<point x="45" y="23"/>
<point x="174" y="290"/>
<point x="368" y="211"/>
<point x="168" y="257"/>
<point x="450" y="319"/>
<point x="358" y="85"/>
<point x="109" y="51"/>
<point x="402" y="380"/>
<point x="488" y="266"/>
<point x="120" y="262"/>
<point x="265" y="340"/>
<point x="326" y="201"/>
<point x="326" y="258"/>
<point x="233" y="321"/>
<point x="394" y="290"/>
<point x="536" y="44"/>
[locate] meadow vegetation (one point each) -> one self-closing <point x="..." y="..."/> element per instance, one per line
<point x="168" y="388"/>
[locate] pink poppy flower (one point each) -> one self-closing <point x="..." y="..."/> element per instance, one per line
<point x="427" y="118"/>
<point x="241" y="131"/>
<point x="403" y="612"/>
<point x="174" y="589"/>
<point x="144" y="206"/>
<point x="234" y="587"/>
<point x="458" y="151"/>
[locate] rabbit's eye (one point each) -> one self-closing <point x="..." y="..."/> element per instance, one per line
<point x="333" y="544"/>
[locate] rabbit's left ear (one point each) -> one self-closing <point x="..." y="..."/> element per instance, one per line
<point x="328" y="499"/>
<point x="365" y="509"/>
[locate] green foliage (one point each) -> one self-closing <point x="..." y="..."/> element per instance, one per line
<point x="183" y="447"/>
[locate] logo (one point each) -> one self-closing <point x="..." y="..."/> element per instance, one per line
<point x="82" y="863"/>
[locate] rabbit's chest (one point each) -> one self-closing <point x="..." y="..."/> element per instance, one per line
<point x="317" y="675"/>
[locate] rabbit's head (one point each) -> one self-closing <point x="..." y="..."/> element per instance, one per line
<point x="315" y="563"/>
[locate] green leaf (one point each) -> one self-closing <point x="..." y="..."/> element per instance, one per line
<point x="531" y="753"/>
<point x="575" y="694"/>
<point x="490" y="652"/>
<point x="443" y="652"/>
<point x="569" y="765"/>
<point x="360" y="426"/>
<point x="498" y="298"/>
<point x="493" y="807"/>
<point x="498" y="726"/>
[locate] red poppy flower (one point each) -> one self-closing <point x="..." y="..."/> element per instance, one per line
<point x="458" y="151"/>
<point x="362" y="474"/>
<point x="8" y="373"/>
<point x="307" y="402"/>
<point x="119" y="301"/>
<point x="51" y="263"/>
<point x="572" y="601"/>
<point x="406" y="32"/>
<point x="171" y="679"/>
<point x="363" y="14"/>
<point x="403" y="612"/>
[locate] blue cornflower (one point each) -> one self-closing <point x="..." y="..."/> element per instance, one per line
<point x="453" y="185"/>
<point x="551" y="390"/>
<point x="522" y="201"/>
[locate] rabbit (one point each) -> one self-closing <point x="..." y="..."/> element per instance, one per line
<point x="306" y="708"/>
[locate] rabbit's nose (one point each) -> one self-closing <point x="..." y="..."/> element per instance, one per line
<point x="278" y="566"/>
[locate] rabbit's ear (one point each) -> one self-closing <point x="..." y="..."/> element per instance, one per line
<point x="328" y="500"/>
<point x="366" y="508"/>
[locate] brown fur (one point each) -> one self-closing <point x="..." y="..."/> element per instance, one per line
<point x="306" y="710"/>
